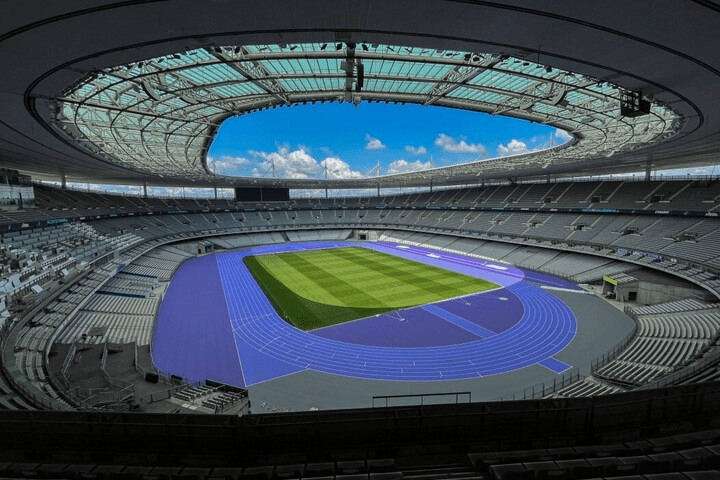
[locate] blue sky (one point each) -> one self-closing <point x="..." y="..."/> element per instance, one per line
<point x="345" y="141"/>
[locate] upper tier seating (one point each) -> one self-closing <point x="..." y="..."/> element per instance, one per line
<point x="698" y="196"/>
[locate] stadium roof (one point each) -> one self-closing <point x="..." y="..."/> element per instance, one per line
<point x="133" y="92"/>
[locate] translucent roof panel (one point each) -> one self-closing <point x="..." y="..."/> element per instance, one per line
<point x="158" y="115"/>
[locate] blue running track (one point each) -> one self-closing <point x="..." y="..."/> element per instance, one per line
<point x="489" y="333"/>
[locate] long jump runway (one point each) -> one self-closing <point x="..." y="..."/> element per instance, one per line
<point x="216" y="323"/>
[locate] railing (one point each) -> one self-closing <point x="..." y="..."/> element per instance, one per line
<point x="67" y="363"/>
<point x="542" y="390"/>
<point x="94" y="398"/>
<point x="159" y="396"/>
<point x="420" y="399"/>
<point x="99" y="398"/>
<point x="225" y="406"/>
<point x="116" y="382"/>
<point x="61" y="382"/>
<point x="138" y="368"/>
<point x="611" y="355"/>
<point x="711" y="358"/>
<point x="169" y="379"/>
<point x="33" y="395"/>
<point x="601" y="419"/>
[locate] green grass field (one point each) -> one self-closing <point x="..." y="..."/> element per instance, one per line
<point x="317" y="288"/>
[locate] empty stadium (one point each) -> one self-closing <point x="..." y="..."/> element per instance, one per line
<point x="576" y="332"/>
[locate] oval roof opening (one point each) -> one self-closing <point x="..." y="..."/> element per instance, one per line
<point x="344" y="141"/>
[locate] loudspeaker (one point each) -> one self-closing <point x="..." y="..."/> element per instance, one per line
<point x="152" y="377"/>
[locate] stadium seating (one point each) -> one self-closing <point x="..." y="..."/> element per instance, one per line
<point x="119" y="301"/>
<point x="665" y="432"/>
<point x="696" y="455"/>
<point x="699" y="196"/>
<point x="669" y="337"/>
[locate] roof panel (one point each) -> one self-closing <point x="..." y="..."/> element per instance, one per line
<point x="116" y="110"/>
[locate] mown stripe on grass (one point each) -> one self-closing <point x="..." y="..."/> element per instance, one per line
<point x="343" y="292"/>
<point x="386" y="289"/>
<point x="424" y="282"/>
<point x="284" y="300"/>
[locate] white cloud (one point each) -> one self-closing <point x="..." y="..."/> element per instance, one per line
<point x="373" y="143"/>
<point x="227" y="164"/>
<point x="561" y="134"/>
<point x="403" y="166"/>
<point x="415" y="150"/>
<point x="299" y="163"/>
<point x="338" y="168"/>
<point x="286" y="163"/>
<point x="450" y="144"/>
<point x="515" y="147"/>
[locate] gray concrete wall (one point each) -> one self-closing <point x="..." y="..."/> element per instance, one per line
<point x="370" y="235"/>
<point x="650" y="293"/>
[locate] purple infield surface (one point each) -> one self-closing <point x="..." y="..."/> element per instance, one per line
<point x="216" y="323"/>
<point x="193" y="334"/>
